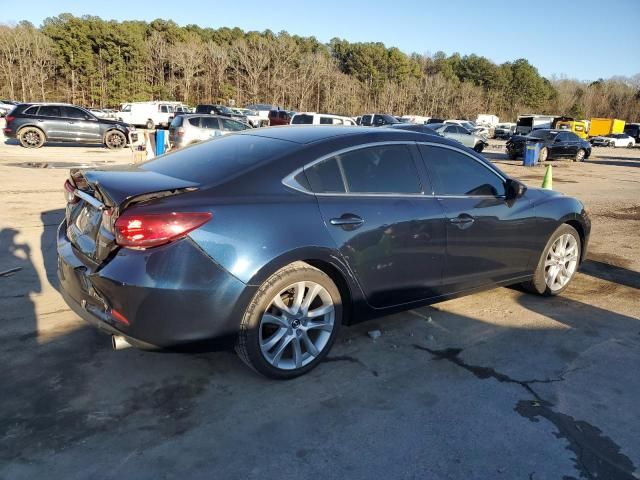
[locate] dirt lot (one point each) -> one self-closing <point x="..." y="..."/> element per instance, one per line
<point x="500" y="384"/>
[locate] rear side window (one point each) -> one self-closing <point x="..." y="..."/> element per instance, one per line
<point x="31" y="110"/>
<point x="209" y="122"/>
<point x="220" y="159"/>
<point x="326" y="121"/>
<point x="50" y="111"/>
<point x="366" y="120"/>
<point x="325" y="177"/>
<point x="302" y="120"/>
<point x="387" y="169"/>
<point x="458" y="174"/>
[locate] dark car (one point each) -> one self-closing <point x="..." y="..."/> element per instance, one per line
<point x="553" y="144"/>
<point x="277" y="237"/>
<point x="35" y="124"/>
<point x="280" y="117"/>
<point x="221" y="110"/>
<point x="378" y="120"/>
<point x="633" y="130"/>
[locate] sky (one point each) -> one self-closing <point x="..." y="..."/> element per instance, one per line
<point x="582" y="39"/>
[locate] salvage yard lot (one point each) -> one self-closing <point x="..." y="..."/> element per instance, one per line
<point x="500" y="384"/>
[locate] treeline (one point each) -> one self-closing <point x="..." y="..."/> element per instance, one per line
<point x="98" y="63"/>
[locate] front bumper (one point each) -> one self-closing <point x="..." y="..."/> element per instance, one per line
<point x="170" y="295"/>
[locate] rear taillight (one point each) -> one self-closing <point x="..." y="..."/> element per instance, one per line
<point x="180" y="132"/>
<point x="9" y="119"/>
<point x="140" y="230"/>
<point x="70" y="193"/>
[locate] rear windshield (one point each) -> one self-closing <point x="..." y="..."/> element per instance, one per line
<point x="219" y="159"/>
<point x="177" y="122"/>
<point x="302" y="119"/>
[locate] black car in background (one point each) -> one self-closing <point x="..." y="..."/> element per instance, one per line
<point x="35" y="124"/>
<point x="553" y="144"/>
<point x="633" y="130"/>
<point x="276" y="237"/>
<point x="221" y="110"/>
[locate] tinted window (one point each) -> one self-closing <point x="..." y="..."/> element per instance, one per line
<point x="326" y="121"/>
<point x="209" y="122"/>
<point x="71" y="112"/>
<point x="50" y="111"/>
<point x="325" y="177"/>
<point x="458" y="174"/>
<point x="572" y="137"/>
<point x="384" y="169"/>
<point x="366" y="120"/>
<point x="302" y="119"/>
<point x="203" y="109"/>
<point x="31" y="110"/>
<point x="217" y="160"/>
<point x="232" y="125"/>
<point x="177" y="122"/>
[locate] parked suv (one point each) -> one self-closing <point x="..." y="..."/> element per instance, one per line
<point x="35" y="124"/>
<point x="312" y="118"/>
<point x="193" y="128"/>
<point x="633" y="130"/>
<point x="221" y="110"/>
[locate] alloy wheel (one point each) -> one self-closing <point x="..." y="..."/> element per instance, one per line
<point x="561" y="262"/>
<point x="297" y="325"/>
<point x="32" y="138"/>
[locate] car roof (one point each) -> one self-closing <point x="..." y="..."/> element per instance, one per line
<point x="306" y="134"/>
<point x="213" y="115"/>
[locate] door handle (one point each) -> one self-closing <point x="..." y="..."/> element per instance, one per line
<point x="462" y="221"/>
<point x="347" y="221"/>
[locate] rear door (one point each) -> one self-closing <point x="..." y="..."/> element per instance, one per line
<point x="389" y="232"/>
<point x="53" y="123"/>
<point x="488" y="238"/>
<point x="209" y="127"/>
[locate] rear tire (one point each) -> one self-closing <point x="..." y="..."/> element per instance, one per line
<point x="291" y="322"/>
<point x="115" y="140"/>
<point x="150" y="125"/>
<point x="31" y="137"/>
<point x="630" y="145"/>
<point x="558" y="260"/>
<point x="479" y="147"/>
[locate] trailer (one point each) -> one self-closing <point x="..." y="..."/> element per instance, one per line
<point x="529" y="122"/>
<point x="601" y="127"/>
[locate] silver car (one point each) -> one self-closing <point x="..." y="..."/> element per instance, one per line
<point x="193" y="128"/>
<point x="461" y="134"/>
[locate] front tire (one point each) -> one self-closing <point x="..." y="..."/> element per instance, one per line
<point x="558" y="263"/>
<point x="544" y="155"/>
<point x="479" y="147"/>
<point x="31" y="137"/>
<point x="580" y="155"/>
<point x="291" y="323"/>
<point x="115" y="140"/>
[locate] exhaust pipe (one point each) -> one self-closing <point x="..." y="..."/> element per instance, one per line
<point x="118" y="342"/>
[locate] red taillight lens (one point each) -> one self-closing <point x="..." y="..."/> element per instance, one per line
<point x="180" y="132"/>
<point x="9" y="119"/>
<point x="152" y="229"/>
<point x="70" y="193"/>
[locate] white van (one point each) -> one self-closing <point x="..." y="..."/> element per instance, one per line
<point x="149" y="114"/>
<point x="416" y="119"/>
<point x="312" y="118"/>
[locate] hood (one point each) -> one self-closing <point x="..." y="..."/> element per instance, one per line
<point x="110" y="121"/>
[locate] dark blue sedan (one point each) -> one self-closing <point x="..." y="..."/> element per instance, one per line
<point x="278" y="236"/>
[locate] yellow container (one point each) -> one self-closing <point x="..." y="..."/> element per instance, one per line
<point x="576" y="126"/>
<point x="605" y="126"/>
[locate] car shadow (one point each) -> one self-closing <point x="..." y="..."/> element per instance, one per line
<point x="618" y="162"/>
<point x="611" y="273"/>
<point x="50" y="219"/>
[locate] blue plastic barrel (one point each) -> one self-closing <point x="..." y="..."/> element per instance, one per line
<point x="160" y="141"/>
<point x="531" y="154"/>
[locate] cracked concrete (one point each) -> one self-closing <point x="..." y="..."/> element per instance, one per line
<point x="505" y="385"/>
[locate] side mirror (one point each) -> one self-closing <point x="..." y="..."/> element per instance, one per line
<point x="514" y="189"/>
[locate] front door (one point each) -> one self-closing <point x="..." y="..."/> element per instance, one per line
<point x="391" y="234"/>
<point x="81" y="126"/>
<point x="488" y="239"/>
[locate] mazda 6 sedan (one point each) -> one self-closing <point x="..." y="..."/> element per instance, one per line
<point x="276" y="237"/>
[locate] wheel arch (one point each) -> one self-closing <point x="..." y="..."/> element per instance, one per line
<point x="581" y="232"/>
<point x="31" y="125"/>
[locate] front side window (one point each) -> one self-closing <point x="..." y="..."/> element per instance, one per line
<point x="387" y="169"/>
<point x="71" y="112"/>
<point x="232" y="125"/>
<point x="164" y="109"/>
<point x="456" y="173"/>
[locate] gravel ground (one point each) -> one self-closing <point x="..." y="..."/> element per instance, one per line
<point x="500" y="384"/>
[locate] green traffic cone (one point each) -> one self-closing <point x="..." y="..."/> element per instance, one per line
<point x="547" y="182"/>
